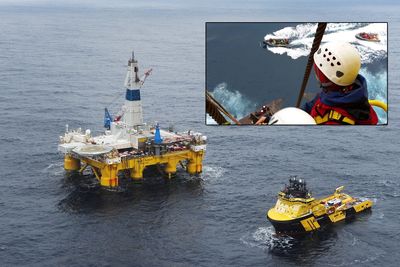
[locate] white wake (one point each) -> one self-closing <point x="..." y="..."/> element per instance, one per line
<point x="301" y="38"/>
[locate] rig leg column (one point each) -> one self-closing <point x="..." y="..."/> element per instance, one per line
<point x="195" y="163"/>
<point x="191" y="167"/>
<point x="199" y="159"/>
<point x="71" y="164"/>
<point x="136" y="173"/>
<point x="170" y="169"/>
<point x="109" y="176"/>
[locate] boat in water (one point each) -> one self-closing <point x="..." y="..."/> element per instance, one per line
<point x="370" y="37"/>
<point x="297" y="211"/>
<point x="278" y="42"/>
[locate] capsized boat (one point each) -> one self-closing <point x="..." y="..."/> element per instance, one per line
<point x="297" y="211"/>
<point x="279" y="42"/>
<point x="371" y="37"/>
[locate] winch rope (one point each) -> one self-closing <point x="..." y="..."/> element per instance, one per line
<point x="316" y="43"/>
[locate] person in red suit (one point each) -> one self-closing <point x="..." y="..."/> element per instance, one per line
<point x="344" y="95"/>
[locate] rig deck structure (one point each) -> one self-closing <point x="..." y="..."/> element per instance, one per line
<point x="129" y="145"/>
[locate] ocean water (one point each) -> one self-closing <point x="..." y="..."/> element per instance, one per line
<point x="63" y="63"/>
<point x="243" y="74"/>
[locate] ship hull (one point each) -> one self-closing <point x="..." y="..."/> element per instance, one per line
<point x="291" y="226"/>
<point x="311" y="223"/>
<point x="358" y="36"/>
<point x="275" y="45"/>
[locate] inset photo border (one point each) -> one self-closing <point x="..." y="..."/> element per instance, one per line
<point x="296" y="73"/>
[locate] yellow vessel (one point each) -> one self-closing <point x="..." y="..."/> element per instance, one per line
<point x="297" y="211"/>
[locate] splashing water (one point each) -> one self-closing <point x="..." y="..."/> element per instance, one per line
<point x="210" y="120"/>
<point x="377" y="89"/>
<point x="302" y="36"/>
<point x="54" y="168"/>
<point x="233" y="101"/>
<point x="377" y="84"/>
<point x="213" y="173"/>
<point x="266" y="238"/>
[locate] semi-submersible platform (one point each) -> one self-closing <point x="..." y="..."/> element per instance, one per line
<point x="129" y="145"/>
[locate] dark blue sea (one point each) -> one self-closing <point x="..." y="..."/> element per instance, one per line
<point x="63" y="62"/>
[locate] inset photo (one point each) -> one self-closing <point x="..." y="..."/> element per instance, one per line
<point x="267" y="73"/>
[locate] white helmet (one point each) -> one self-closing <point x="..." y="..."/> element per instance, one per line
<point x="291" y="116"/>
<point x="339" y="62"/>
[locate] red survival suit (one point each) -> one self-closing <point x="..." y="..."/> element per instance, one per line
<point x="342" y="105"/>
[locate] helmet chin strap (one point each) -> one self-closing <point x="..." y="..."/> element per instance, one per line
<point x="325" y="86"/>
<point x="330" y="86"/>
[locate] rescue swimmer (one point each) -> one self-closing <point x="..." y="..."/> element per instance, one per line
<point x="297" y="211"/>
<point x="344" y="95"/>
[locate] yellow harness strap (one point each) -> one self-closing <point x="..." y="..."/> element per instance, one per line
<point x="378" y="103"/>
<point x="334" y="116"/>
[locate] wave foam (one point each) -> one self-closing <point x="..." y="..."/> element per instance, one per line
<point x="210" y="120"/>
<point x="265" y="238"/>
<point x="233" y="101"/>
<point x="377" y="89"/>
<point x="54" y="168"/>
<point x="302" y="37"/>
<point x="212" y="173"/>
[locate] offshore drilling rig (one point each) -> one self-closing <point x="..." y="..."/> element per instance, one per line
<point x="129" y="145"/>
